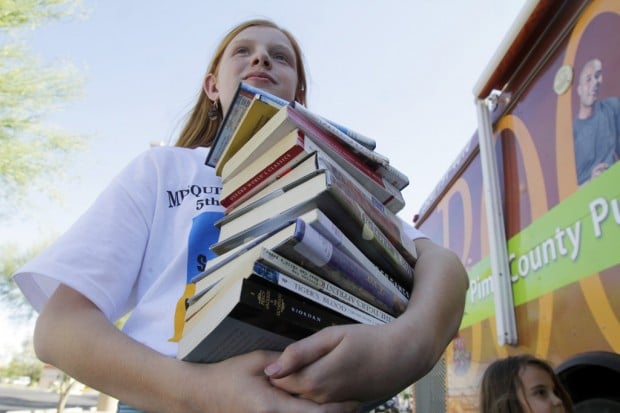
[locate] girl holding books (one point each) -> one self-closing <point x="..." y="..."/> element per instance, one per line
<point x="522" y="384"/>
<point x="135" y="250"/>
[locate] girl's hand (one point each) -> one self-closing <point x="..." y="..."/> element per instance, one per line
<point x="239" y="385"/>
<point x="353" y="362"/>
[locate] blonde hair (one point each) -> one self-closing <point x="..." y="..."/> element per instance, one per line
<point x="199" y="129"/>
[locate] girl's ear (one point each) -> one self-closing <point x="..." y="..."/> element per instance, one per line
<point x="210" y="87"/>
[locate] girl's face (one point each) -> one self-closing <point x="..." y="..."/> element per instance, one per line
<point x="537" y="393"/>
<point x="260" y="56"/>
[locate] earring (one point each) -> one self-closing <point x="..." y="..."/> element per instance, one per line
<point x="214" y="110"/>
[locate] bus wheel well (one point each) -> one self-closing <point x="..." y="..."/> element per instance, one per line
<point x="592" y="380"/>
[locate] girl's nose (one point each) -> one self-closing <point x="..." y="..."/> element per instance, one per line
<point x="261" y="58"/>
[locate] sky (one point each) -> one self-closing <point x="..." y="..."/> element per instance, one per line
<point x="399" y="71"/>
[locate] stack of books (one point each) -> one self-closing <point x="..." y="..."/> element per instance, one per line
<point x="309" y="238"/>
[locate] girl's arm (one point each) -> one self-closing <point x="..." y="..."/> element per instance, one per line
<point x="72" y="334"/>
<point x="360" y="362"/>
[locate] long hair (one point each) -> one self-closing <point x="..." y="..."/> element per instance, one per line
<point x="501" y="384"/>
<point x="199" y="129"/>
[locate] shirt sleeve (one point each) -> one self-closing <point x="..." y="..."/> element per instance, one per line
<point x="100" y="255"/>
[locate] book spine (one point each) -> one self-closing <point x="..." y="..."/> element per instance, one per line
<point x="277" y="101"/>
<point x="262" y="310"/>
<point x="370" y="155"/>
<point x="301" y="274"/>
<point x="374" y="214"/>
<point x="263" y="95"/>
<point x="393" y="261"/>
<point x="394" y="176"/>
<point x="331" y="231"/>
<point x="362" y="139"/>
<point x="263" y="178"/>
<point x="384" y="191"/>
<point x="382" y="167"/>
<point x="306" y="291"/>
<point x="330" y="144"/>
<point x="232" y="118"/>
<point x="278" y="301"/>
<point x="319" y="251"/>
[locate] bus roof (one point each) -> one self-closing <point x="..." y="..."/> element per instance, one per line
<point x="515" y="45"/>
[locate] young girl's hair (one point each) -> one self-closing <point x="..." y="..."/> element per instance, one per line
<point x="200" y="129"/>
<point x="501" y="383"/>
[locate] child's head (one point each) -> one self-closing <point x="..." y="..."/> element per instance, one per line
<point x="522" y="384"/>
<point x="253" y="47"/>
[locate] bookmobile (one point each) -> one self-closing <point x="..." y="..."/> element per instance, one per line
<point x="542" y="252"/>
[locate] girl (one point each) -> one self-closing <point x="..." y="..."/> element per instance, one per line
<point x="136" y="248"/>
<point x="522" y="384"/>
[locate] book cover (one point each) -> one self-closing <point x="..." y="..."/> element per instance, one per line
<point x="377" y="232"/>
<point x="252" y="314"/>
<point x="299" y="273"/>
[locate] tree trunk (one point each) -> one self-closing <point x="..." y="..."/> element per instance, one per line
<point x="65" y="390"/>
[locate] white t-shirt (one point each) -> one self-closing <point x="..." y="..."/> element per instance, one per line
<point x="138" y="246"/>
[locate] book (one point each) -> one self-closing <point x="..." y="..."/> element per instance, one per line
<point x="365" y="165"/>
<point x="282" y="156"/>
<point x="245" y="96"/>
<point x="288" y="174"/>
<point x="383" y="167"/>
<point x="311" y="250"/>
<point x="252" y="314"/>
<point x="376" y="231"/>
<point x="299" y="273"/>
<point x="258" y="112"/>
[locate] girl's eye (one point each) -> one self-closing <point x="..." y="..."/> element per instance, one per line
<point x="541" y="392"/>
<point x="242" y="51"/>
<point x="282" y="57"/>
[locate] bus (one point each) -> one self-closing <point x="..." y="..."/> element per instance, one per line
<point x="532" y="207"/>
